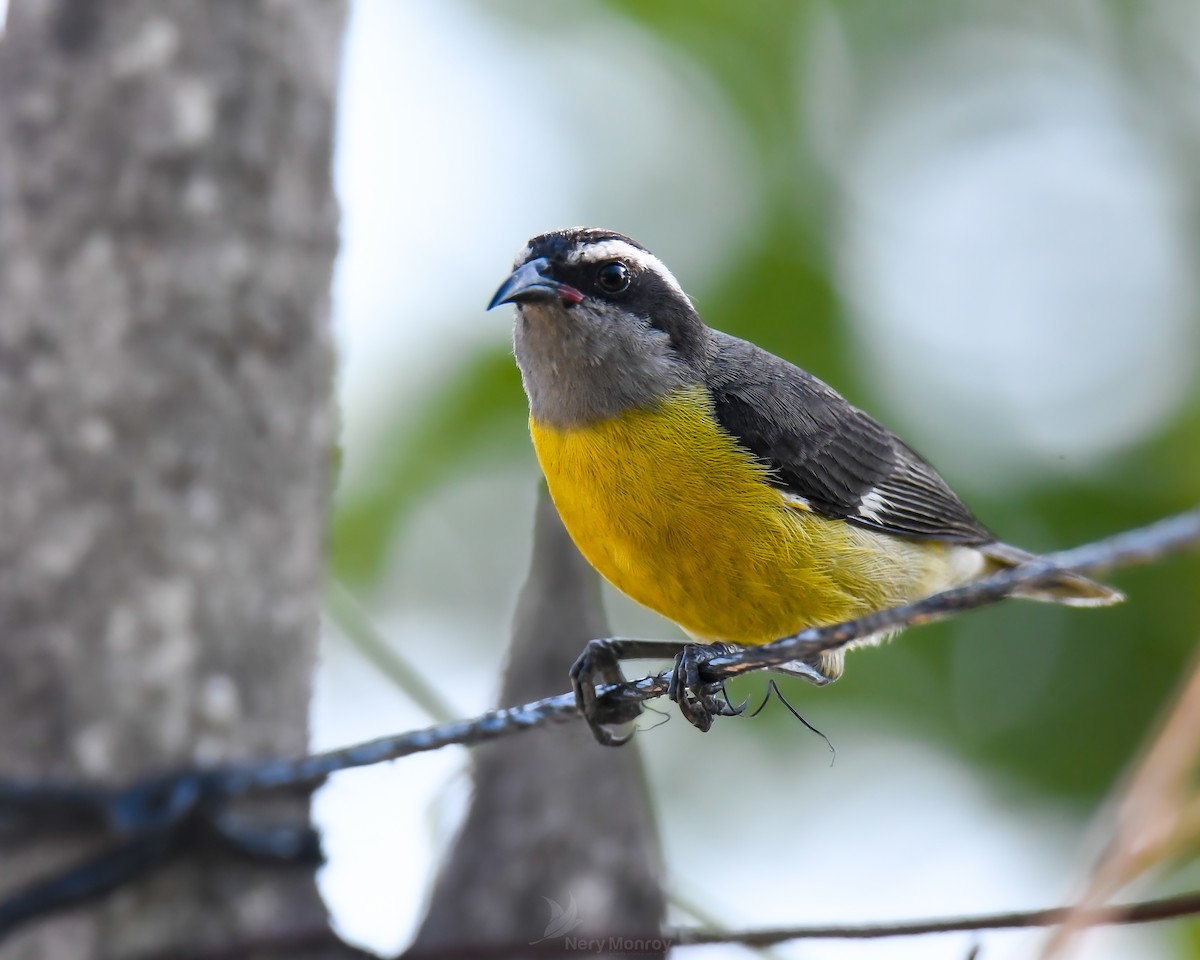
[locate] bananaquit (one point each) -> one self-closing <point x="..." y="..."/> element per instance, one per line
<point x="711" y="481"/>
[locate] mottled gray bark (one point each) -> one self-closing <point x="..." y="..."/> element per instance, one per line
<point x="554" y="815"/>
<point x="167" y="232"/>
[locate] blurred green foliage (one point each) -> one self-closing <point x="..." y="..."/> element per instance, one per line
<point x="476" y="415"/>
<point x="1086" y="703"/>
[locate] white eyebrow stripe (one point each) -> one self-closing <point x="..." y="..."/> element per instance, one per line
<point x="620" y="250"/>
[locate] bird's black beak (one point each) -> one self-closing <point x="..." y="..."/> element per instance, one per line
<point x="529" y="283"/>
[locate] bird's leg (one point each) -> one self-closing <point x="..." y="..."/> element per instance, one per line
<point x="600" y="663"/>
<point x="698" y="701"/>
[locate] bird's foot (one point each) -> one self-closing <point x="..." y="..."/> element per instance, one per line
<point x="700" y="701"/>
<point x="601" y="662"/>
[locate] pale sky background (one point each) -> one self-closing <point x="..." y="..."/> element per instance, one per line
<point x="442" y="173"/>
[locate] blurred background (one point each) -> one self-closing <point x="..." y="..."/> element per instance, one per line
<point x="978" y="221"/>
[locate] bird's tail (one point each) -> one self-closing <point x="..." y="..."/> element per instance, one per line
<point x="1069" y="588"/>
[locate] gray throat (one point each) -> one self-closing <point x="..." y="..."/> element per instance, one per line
<point x="581" y="367"/>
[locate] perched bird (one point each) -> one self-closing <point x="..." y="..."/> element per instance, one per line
<point x="715" y="483"/>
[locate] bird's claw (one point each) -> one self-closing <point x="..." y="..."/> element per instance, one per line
<point x="700" y="701"/>
<point x="599" y="662"/>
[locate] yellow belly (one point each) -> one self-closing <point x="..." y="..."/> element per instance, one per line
<point x="676" y="515"/>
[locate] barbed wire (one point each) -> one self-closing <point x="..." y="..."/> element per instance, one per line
<point x="164" y="816"/>
<point x="1131" y="548"/>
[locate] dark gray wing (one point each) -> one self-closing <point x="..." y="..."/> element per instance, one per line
<point x="845" y="464"/>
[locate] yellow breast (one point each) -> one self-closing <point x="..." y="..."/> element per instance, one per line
<point x="675" y="514"/>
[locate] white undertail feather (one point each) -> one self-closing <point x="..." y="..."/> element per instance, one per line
<point x="962" y="565"/>
<point x="1071" y="589"/>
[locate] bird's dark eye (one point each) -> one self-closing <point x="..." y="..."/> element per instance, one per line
<point x="613" y="277"/>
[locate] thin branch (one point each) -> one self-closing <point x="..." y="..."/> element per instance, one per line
<point x="708" y="921"/>
<point x="1152" y="816"/>
<point x="347" y="614"/>
<point x="1147" y="911"/>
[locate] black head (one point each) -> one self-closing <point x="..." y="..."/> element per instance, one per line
<point x="584" y="267"/>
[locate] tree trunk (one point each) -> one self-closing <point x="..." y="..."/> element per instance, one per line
<point x="555" y="817"/>
<point x="167" y="232"/>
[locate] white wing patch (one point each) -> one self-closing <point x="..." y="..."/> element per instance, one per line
<point x="872" y="506"/>
<point x="620" y="250"/>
